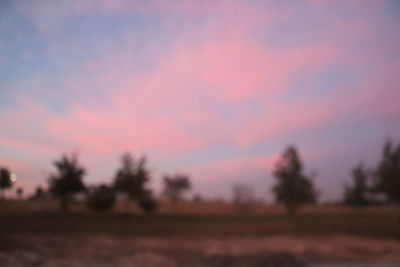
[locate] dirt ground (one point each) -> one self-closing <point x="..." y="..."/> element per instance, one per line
<point x="103" y="250"/>
<point x="202" y="234"/>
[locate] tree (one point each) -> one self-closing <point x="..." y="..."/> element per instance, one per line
<point x="102" y="198"/>
<point x="5" y="181"/>
<point x="242" y="197"/>
<point x="356" y="194"/>
<point x="175" y="186"/>
<point x="68" y="180"/>
<point x="132" y="177"/>
<point x="293" y="187"/>
<point x="387" y="173"/>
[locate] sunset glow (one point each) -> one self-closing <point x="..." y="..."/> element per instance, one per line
<point x="214" y="89"/>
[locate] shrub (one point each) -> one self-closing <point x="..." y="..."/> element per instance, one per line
<point x="148" y="204"/>
<point x="101" y="198"/>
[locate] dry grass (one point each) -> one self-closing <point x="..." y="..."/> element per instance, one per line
<point x="185" y="208"/>
<point x="202" y="234"/>
<point x="197" y="219"/>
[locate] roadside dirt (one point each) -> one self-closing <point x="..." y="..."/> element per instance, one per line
<point x="98" y="250"/>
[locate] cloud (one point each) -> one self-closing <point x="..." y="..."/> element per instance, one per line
<point x="182" y="102"/>
<point x="189" y="77"/>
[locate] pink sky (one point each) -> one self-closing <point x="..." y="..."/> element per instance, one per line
<point x="216" y="89"/>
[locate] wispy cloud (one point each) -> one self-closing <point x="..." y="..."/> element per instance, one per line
<point x="174" y="78"/>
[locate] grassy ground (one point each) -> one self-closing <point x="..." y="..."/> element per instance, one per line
<point x="366" y="225"/>
<point x="203" y="234"/>
<point x="192" y="220"/>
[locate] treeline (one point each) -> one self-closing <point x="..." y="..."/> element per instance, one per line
<point x="130" y="179"/>
<point x="293" y="187"/>
<point x="370" y="184"/>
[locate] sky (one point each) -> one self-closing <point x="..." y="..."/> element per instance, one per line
<point x="215" y="89"/>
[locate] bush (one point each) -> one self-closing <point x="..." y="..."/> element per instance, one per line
<point x="148" y="204"/>
<point x="101" y="198"/>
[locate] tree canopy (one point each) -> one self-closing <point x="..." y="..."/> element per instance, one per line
<point x="175" y="186"/>
<point x="5" y="181"/>
<point x="293" y="187"/>
<point x="132" y="176"/>
<point x="356" y="193"/>
<point x="67" y="180"/>
<point x="387" y="173"/>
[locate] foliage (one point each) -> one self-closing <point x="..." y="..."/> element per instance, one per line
<point x="5" y="181"/>
<point x="387" y="173"/>
<point x="68" y="179"/>
<point x="147" y="203"/>
<point x="293" y="187"/>
<point x="175" y="186"/>
<point x="132" y="177"/>
<point x="102" y="198"/>
<point x="356" y="194"/>
<point x="242" y="197"/>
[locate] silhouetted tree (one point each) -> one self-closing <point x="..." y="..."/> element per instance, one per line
<point x="147" y="202"/>
<point x="68" y="180"/>
<point x="175" y="186"/>
<point x="293" y="187"/>
<point x="39" y="193"/>
<point x="132" y="177"/>
<point x="387" y="173"/>
<point x="19" y="192"/>
<point x="5" y="181"/>
<point x="102" y="198"/>
<point x="356" y="193"/>
<point x="242" y="197"/>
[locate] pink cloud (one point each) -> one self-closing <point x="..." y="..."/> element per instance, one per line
<point x="197" y="91"/>
<point x="157" y="110"/>
<point x="14" y="165"/>
<point x="174" y="106"/>
<point x="25" y="127"/>
<point x="230" y="167"/>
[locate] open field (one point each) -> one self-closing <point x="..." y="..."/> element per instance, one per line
<point x="365" y="225"/>
<point x="186" y="208"/>
<point x="194" y="237"/>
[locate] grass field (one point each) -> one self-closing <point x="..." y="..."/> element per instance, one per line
<point x="364" y="224"/>
<point x="265" y="236"/>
